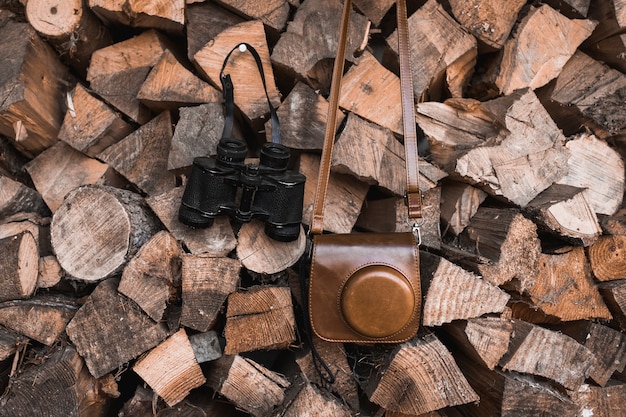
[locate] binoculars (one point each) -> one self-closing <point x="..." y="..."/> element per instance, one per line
<point x="226" y="185"/>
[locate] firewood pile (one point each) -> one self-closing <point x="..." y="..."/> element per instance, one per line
<point x="111" y="306"/>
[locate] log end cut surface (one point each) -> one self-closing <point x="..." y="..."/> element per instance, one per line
<point x="54" y="18"/>
<point x="90" y="233"/>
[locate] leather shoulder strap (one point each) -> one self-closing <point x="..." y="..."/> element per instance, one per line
<point x="410" y="134"/>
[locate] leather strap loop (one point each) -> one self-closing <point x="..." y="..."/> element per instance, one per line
<point x="413" y="194"/>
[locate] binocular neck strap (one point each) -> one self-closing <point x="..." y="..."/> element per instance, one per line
<point x="229" y="96"/>
<point x="413" y="195"/>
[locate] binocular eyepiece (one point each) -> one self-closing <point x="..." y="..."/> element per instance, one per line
<point x="227" y="185"/>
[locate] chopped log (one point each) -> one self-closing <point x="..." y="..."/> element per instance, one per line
<point x="259" y="318"/>
<point x="304" y="50"/>
<point x="61" y="385"/>
<point x="8" y="344"/>
<point x="60" y="169"/>
<point x="42" y="318"/>
<point x="606" y="401"/>
<point x="489" y="21"/>
<point x="204" y="21"/>
<point x="28" y="222"/>
<point x="141" y="157"/>
<point x="247" y="384"/>
<point x="71" y="28"/>
<point x="311" y="401"/>
<point x="526" y="397"/>
<point x="452" y="293"/>
<point x="527" y="161"/>
<point x="565" y="211"/>
<point x="171" y="369"/>
<point x="374" y="10"/>
<point x="546" y="353"/>
<point x="608" y="346"/>
<point x="90" y="125"/>
<point x="372" y="92"/>
<point x="579" y="90"/>
<point x="420" y="376"/>
<point x="50" y="272"/>
<point x="344" y="197"/>
<point x="117" y="72"/>
<point x="140" y="405"/>
<point x="206" y="346"/>
<point x="614" y="294"/>
<point x="509" y="242"/>
<point x="16" y="197"/>
<point x="527" y="63"/>
<point x="459" y="202"/>
<point x="197" y="133"/>
<point x="170" y="85"/>
<point x="168" y="16"/>
<point x="608" y="258"/>
<point x="152" y="276"/>
<point x="98" y="229"/>
<point x="598" y="168"/>
<point x="485" y="340"/>
<point x="562" y="287"/>
<point x="31" y="110"/>
<point x="442" y="52"/>
<point x="110" y="329"/>
<point x="571" y="8"/>
<point x="12" y="162"/>
<point x="273" y="14"/>
<point x="334" y="355"/>
<point x="607" y="43"/>
<point x="206" y="284"/>
<point x="302" y="117"/>
<point x="217" y="240"/>
<point x="249" y="95"/>
<point x="19" y="265"/>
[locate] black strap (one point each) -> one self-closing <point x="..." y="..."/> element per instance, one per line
<point x="228" y="92"/>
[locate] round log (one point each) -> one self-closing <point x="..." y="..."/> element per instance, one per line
<point x="98" y="229"/>
<point x="19" y="264"/>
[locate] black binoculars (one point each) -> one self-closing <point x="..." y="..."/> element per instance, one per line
<point x="226" y="185"/>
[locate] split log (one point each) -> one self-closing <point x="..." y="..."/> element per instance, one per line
<point x="527" y="161"/>
<point x="608" y="258"/>
<point x="19" y="264"/>
<point x="527" y="63"/>
<point x="206" y="284"/>
<point x="12" y="162"/>
<point x="16" y="197"/>
<point x="562" y="287"/>
<point x="372" y="92"/>
<point x="259" y="318"/>
<point x="549" y="354"/>
<point x="484" y="340"/>
<point x="579" y="90"/>
<point x="117" y="72"/>
<point x="459" y="202"/>
<point x="452" y="293"/>
<point x="273" y="14"/>
<point x="608" y="346"/>
<point x="507" y="240"/>
<point x="9" y="343"/>
<point x="249" y="95"/>
<point x="60" y="169"/>
<point x="608" y="42"/>
<point x="418" y="377"/>
<point x="168" y="16"/>
<point x="50" y="272"/>
<point x="304" y="50"/>
<point x="264" y="255"/>
<point x="170" y="85"/>
<point x="36" y="225"/>
<point x="142" y="156"/>
<point x="605" y="401"/>
<point x="171" y="369"/>
<point x="311" y="401"/>
<point x="98" y="229"/>
<point x="374" y="10"/>
<point x="42" y="318"/>
<point x="614" y="294"/>
<point x="110" y="329"/>
<point x="247" y="384"/>
<point x="59" y="386"/>
<point x="565" y="211"/>
<point x="90" y="125"/>
<point x="302" y="117"/>
<point x="489" y="21"/>
<point x="152" y="276"/>
<point x="572" y="8"/>
<point x="31" y="110"/>
<point x="344" y="197"/>
<point x="442" y="52"/>
<point x="206" y="346"/>
<point x="217" y="240"/>
<point x="197" y="133"/>
<point x="71" y="28"/>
